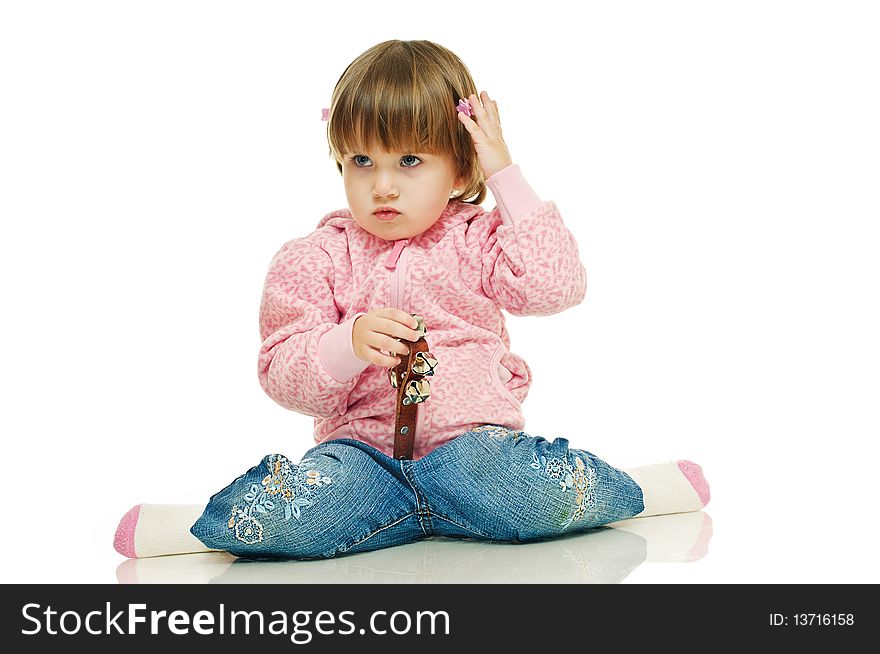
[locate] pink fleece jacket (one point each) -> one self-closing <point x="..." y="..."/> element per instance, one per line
<point x="458" y="275"/>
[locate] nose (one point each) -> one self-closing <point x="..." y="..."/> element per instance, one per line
<point x="384" y="186"/>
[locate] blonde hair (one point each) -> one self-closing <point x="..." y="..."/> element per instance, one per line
<point x="402" y="96"/>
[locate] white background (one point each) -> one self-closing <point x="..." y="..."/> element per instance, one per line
<point x="717" y="162"/>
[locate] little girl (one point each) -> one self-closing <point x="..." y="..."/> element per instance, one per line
<point x="414" y="251"/>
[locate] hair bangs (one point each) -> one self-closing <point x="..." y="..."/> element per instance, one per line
<point x="393" y="115"/>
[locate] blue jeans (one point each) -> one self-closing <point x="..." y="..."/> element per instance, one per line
<point x="345" y="496"/>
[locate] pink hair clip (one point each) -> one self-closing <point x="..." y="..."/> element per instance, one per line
<point x="325" y="114"/>
<point x="464" y="107"/>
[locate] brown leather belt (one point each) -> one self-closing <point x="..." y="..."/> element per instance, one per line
<point x="408" y="377"/>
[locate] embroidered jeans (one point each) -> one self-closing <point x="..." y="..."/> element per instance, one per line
<point x="345" y="496"/>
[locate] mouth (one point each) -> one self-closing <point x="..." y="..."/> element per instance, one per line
<point x="386" y="213"/>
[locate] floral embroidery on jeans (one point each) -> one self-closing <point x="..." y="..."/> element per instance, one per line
<point x="492" y="430"/>
<point x="581" y="478"/>
<point x="286" y="484"/>
<point x="499" y="432"/>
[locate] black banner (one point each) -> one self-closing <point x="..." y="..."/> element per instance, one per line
<point x="330" y="617"/>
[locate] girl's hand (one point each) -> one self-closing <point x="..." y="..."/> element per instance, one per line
<point x="379" y="330"/>
<point x="486" y="134"/>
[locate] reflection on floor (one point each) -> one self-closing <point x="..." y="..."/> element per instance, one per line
<point x="605" y="555"/>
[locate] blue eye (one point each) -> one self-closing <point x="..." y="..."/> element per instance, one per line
<point x="410" y="161"/>
<point x="360" y="160"/>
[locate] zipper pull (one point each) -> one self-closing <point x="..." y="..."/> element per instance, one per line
<point x="394" y="255"/>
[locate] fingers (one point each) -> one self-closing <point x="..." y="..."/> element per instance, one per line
<point x="386" y="343"/>
<point x="491" y="106"/>
<point x="485" y="104"/>
<point x="376" y="357"/>
<point x="377" y="341"/>
<point x="397" y="323"/>
<point x="472" y="128"/>
<point x="485" y="111"/>
<point x="396" y="314"/>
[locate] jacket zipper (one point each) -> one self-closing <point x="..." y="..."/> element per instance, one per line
<point x="395" y="263"/>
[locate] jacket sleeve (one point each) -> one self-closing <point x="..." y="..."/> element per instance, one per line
<point x="306" y="361"/>
<point x="530" y="260"/>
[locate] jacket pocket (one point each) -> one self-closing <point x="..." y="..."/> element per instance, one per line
<point x="499" y="376"/>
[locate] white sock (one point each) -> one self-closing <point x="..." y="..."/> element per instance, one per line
<point x="671" y="487"/>
<point x="157" y="530"/>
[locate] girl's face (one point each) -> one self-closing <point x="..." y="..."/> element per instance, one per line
<point x="415" y="186"/>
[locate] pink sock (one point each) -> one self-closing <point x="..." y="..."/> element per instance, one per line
<point x="158" y="529"/>
<point x="123" y="542"/>
<point x="671" y="487"/>
<point x="694" y="474"/>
